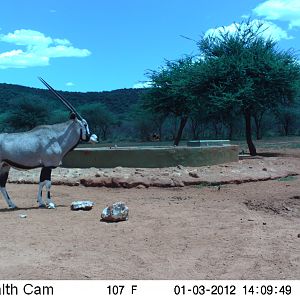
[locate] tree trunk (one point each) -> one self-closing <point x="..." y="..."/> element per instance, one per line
<point x="258" y="133"/>
<point x="286" y="126"/>
<point x="258" y="125"/>
<point x="258" y="129"/>
<point x="230" y="131"/>
<point x="216" y="129"/>
<point x="104" y="132"/>
<point x="160" y="129"/>
<point x="195" y="129"/>
<point x="183" y="121"/>
<point x="251" y="146"/>
<point x="174" y="127"/>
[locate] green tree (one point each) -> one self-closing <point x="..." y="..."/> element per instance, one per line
<point x="170" y="94"/>
<point x="26" y="114"/>
<point x="248" y="73"/>
<point x="99" y="118"/>
<point x="146" y="122"/>
<point x="59" y="116"/>
<point x="286" y="116"/>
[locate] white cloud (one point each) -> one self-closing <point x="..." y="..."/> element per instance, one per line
<point x="142" y="85"/>
<point x="268" y="29"/>
<point x="52" y="10"/>
<point x="38" y="49"/>
<point x="70" y="83"/>
<point x="62" y="42"/>
<point x="26" y="37"/>
<point x="284" y="10"/>
<point x="245" y="16"/>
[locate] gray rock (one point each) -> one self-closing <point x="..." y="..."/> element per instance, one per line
<point x="82" y="205"/>
<point x="115" y="213"/>
<point x="194" y="174"/>
<point x="99" y="174"/>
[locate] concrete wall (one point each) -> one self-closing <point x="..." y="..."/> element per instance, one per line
<point x="150" y="157"/>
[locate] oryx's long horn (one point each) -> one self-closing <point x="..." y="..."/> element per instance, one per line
<point x="61" y="98"/>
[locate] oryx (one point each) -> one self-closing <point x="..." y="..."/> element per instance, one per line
<point x="44" y="146"/>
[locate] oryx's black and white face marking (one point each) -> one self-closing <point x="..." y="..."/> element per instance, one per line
<point x="85" y="131"/>
<point x="85" y="134"/>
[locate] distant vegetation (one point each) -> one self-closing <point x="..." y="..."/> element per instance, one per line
<point x="239" y="86"/>
<point x="108" y="113"/>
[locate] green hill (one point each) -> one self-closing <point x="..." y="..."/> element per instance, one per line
<point x="117" y="101"/>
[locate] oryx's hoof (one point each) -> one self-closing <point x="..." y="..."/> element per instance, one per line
<point x="13" y="207"/>
<point x="42" y="206"/>
<point x="51" y="205"/>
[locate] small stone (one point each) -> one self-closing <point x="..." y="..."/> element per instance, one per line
<point x="194" y="174"/>
<point x="140" y="186"/>
<point x="99" y="174"/>
<point x="115" y="213"/>
<point x="23" y="216"/>
<point x="82" y="205"/>
<point x="176" y="174"/>
<point x="264" y="169"/>
<point x="118" y="169"/>
<point x="161" y="182"/>
<point x="177" y="182"/>
<point x="298" y="235"/>
<point x="264" y="223"/>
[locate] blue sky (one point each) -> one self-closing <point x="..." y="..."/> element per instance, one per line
<point x="97" y="45"/>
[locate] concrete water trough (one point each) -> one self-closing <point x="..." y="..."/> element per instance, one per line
<point x="150" y="157"/>
<point x="208" y="143"/>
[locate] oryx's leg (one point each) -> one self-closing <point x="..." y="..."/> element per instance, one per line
<point x="4" y="170"/>
<point x="45" y="180"/>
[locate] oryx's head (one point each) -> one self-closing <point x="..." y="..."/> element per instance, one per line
<point x="85" y="134"/>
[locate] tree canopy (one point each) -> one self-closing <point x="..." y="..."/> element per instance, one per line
<point x="248" y="73"/>
<point x="235" y="73"/>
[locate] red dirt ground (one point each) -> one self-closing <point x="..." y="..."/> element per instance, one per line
<point x="235" y="231"/>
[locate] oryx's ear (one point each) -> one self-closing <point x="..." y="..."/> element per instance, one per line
<point x="72" y="116"/>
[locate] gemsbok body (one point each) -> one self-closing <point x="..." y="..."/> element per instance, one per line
<point x="42" y="147"/>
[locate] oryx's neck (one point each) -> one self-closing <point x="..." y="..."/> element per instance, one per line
<point x="69" y="136"/>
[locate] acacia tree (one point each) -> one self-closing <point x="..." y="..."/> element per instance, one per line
<point x="100" y="118"/>
<point x="286" y="116"/>
<point x="258" y="120"/>
<point x="146" y="122"/>
<point x="248" y="73"/>
<point x="169" y="94"/>
<point x="26" y="114"/>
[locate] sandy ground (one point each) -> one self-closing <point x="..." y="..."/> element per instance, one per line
<point x="238" y="231"/>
